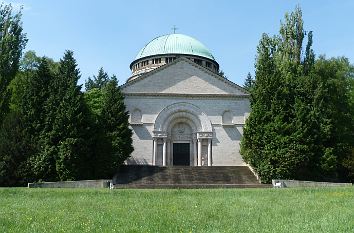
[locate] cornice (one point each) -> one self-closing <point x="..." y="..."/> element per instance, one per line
<point x="198" y="96"/>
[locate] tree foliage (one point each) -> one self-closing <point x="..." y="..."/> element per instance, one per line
<point x="296" y="109"/>
<point x="98" y="81"/>
<point x="15" y="149"/>
<point x="69" y="129"/>
<point x="249" y="82"/>
<point x="335" y="119"/>
<point x="56" y="132"/>
<point x="222" y="74"/>
<point x="12" y="42"/>
<point x="48" y="131"/>
<point x="115" y="122"/>
<point x="113" y="141"/>
<point x="30" y="62"/>
<point x="27" y="121"/>
<point x="29" y="65"/>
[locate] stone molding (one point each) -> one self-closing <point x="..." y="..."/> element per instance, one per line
<point x="136" y="123"/>
<point x="228" y="124"/>
<point x="159" y="134"/>
<point x="182" y="110"/>
<point x="204" y="135"/>
<point x="193" y="96"/>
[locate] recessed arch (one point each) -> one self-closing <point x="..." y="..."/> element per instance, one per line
<point x="182" y="110"/>
<point x="227" y="117"/>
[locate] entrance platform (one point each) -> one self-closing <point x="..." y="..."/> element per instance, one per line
<point x="143" y="176"/>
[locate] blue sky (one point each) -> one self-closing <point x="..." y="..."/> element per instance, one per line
<point x="111" y="33"/>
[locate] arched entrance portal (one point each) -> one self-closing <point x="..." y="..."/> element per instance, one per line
<point x="181" y="140"/>
<point x="182" y="137"/>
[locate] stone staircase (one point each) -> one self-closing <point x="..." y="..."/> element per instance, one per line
<point x="143" y="176"/>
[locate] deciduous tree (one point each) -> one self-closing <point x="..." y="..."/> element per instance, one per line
<point x="12" y="42"/>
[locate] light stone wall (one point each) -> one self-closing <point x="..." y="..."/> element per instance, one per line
<point x="226" y="146"/>
<point x="150" y="106"/>
<point x="184" y="81"/>
<point x="183" y="77"/>
<point x="142" y="143"/>
<point x="225" y="150"/>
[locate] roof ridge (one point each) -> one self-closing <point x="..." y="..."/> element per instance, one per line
<point x="164" y="46"/>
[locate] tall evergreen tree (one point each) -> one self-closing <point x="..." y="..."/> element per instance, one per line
<point x="98" y="81"/>
<point x="112" y="142"/>
<point x="12" y="42"/>
<point x="115" y="122"/>
<point x="69" y="128"/>
<point x="272" y="142"/>
<point x="249" y="82"/>
<point x="34" y="112"/>
<point x="14" y="151"/>
<point x="300" y="125"/>
<point x="34" y="98"/>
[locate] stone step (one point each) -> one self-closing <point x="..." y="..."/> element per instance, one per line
<point x="184" y="176"/>
<point x="189" y="186"/>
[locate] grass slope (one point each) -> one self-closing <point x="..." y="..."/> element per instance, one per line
<point x="173" y="210"/>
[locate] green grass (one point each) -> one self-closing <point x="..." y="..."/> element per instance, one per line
<point x="174" y="210"/>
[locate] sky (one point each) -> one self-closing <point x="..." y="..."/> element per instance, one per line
<point x="110" y="33"/>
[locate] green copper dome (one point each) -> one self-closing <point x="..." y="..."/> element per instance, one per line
<point x="174" y="44"/>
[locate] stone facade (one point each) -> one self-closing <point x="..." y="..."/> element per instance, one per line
<point x="181" y="108"/>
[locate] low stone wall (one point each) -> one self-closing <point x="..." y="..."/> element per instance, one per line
<point x="301" y="183"/>
<point x="72" y="184"/>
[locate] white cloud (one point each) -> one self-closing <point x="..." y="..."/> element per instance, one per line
<point x="17" y="5"/>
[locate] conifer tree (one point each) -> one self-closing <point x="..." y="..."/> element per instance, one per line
<point x="300" y="125"/>
<point x="14" y="151"/>
<point x="68" y="124"/>
<point x="34" y="108"/>
<point x="249" y="82"/>
<point x="115" y="123"/>
<point x="98" y="81"/>
<point x="272" y="140"/>
<point x="112" y="136"/>
<point x="34" y="98"/>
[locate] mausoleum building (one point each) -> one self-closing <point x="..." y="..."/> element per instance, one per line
<point x="182" y="112"/>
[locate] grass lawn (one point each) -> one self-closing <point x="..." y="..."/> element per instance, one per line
<point x="177" y="210"/>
